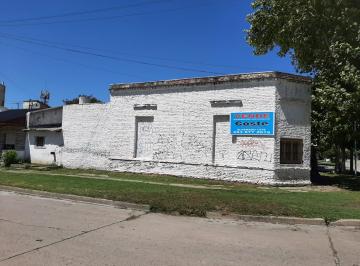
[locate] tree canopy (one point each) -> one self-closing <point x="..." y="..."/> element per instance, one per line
<point x="323" y="39"/>
<point x="311" y="31"/>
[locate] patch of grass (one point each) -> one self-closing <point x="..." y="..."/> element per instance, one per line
<point x="240" y="198"/>
<point x="144" y="177"/>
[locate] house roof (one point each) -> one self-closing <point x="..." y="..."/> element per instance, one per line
<point x="212" y="80"/>
<point x="11" y="115"/>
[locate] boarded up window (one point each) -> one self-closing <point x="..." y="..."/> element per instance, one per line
<point x="222" y="140"/>
<point x="144" y="137"/>
<point x="291" y="151"/>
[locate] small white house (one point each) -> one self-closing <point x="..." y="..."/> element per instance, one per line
<point x="247" y="127"/>
<point x="44" y="138"/>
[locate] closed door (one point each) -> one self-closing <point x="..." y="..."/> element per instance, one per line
<point x="222" y="140"/>
<point x="144" y="137"/>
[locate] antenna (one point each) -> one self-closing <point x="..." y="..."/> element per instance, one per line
<point x="45" y="96"/>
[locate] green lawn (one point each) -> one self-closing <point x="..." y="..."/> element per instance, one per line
<point x="238" y="198"/>
<point x="142" y="177"/>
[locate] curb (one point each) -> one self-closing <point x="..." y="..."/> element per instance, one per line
<point x="209" y="215"/>
<point x="44" y="194"/>
<point x="268" y="219"/>
<point x="346" y="222"/>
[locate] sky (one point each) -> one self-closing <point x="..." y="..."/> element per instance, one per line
<point x="74" y="47"/>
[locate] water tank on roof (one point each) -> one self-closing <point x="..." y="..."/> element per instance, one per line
<point x="31" y="105"/>
<point x="84" y="99"/>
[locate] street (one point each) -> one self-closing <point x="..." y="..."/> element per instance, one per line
<point x="40" y="231"/>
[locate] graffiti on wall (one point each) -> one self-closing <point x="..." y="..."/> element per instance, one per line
<point x="255" y="155"/>
<point x="166" y="147"/>
<point x="252" y="143"/>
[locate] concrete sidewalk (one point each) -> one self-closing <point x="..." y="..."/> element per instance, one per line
<point x="41" y="231"/>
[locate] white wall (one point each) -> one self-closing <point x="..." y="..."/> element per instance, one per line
<point x="42" y="155"/>
<point x="88" y="134"/>
<point x="294" y="121"/>
<point x="184" y="123"/>
<point x="185" y="135"/>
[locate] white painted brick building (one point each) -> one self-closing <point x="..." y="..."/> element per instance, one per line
<point x="182" y="127"/>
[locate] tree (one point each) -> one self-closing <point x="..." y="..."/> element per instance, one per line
<point x="311" y="31"/>
<point x="322" y="37"/>
<point x="91" y="98"/>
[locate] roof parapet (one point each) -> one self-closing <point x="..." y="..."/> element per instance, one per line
<point x="211" y="80"/>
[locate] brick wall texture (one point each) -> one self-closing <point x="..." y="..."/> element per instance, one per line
<point x="176" y="130"/>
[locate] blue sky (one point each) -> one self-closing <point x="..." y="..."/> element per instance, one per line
<point x="117" y="41"/>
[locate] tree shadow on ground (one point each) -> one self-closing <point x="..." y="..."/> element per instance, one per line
<point x="348" y="182"/>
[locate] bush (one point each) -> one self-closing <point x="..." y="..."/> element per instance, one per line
<point x="9" y="158"/>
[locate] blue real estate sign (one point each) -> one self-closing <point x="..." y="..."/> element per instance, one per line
<point x="253" y="124"/>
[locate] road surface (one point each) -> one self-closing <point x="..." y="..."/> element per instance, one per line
<point x="40" y="231"/>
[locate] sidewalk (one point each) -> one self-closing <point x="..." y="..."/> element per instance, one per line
<point x="40" y="231"/>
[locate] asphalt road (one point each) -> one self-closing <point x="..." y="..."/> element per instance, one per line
<point x="39" y="231"/>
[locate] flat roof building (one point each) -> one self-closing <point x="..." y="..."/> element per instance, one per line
<point x="247" y="127"/>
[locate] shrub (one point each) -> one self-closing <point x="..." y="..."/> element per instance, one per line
<point x="9" y="158"/>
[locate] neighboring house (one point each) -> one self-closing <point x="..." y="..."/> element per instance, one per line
<point x="44" y="136"/>
<point x="248" y="127"/>
<point x="13" y="124"/>
<point x="34" y="105"/>
<point x="12" y="136"/>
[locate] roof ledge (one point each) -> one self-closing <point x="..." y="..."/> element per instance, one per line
<point x="211" y="80"/>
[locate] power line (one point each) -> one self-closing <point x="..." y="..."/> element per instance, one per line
<point x="130" y="54"/>
<point x="69" y="61"/>
<point x="78" y="13"/>
<point x="129" y="60"/>
<point x="110" y="17"/>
